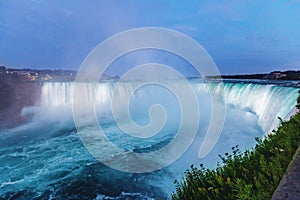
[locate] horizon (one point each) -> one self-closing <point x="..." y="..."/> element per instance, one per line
<point x="242" y="38"/>
<point x="65" y="69"/>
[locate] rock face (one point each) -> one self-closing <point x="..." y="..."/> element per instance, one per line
<point x="289" y="187"/>
<point x="15" y="94"/>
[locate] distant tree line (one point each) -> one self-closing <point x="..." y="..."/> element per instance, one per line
<point x="276" y="75"/>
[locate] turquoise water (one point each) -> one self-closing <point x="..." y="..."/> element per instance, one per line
<point x="45" y="158"/>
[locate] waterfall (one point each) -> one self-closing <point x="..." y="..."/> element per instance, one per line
<point x="268" y="102"/>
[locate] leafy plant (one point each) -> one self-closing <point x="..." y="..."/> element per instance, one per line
<point x="245" y="175"/>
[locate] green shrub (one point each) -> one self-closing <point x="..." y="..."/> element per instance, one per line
<point x="298" y="101"/>
<point x="252" y="174"/>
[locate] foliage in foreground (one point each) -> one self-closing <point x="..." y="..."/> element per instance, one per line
<point x="249" y="175"/>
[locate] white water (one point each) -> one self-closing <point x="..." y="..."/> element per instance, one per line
<point x="268" y="102"/>
<point x="57" y="165"/>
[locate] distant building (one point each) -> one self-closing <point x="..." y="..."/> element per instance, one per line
<point x="274" y="75"/>
<point x="278" y="75"/>
<point x="46" y="77"/>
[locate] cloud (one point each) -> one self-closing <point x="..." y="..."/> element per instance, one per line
<point x="225" y="10"/>
<point x="185" y="28"/>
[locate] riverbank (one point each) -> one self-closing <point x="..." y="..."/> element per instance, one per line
<point x="252" y="174"/>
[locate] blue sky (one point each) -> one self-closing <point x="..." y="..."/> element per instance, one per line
<point x="241" y="36"/>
